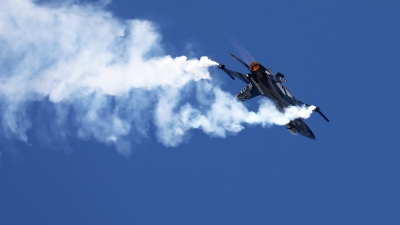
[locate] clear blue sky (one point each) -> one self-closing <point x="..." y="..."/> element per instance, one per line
<point x="340" y="55"/>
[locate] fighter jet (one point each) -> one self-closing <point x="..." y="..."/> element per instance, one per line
<point x="262" y="81"/>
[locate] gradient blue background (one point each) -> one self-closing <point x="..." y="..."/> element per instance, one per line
<point x="340" y="55"/>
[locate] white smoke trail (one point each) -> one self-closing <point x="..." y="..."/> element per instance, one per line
<point x="98" y="77"/>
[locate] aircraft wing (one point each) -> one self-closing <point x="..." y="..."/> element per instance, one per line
<point x="247" y="93"/>
<point x="320" y="113"/>
<point x="317" y="109"/>
<point x="232" y="74"/>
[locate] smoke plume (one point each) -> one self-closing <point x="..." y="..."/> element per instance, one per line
<point x="75" y="70"/>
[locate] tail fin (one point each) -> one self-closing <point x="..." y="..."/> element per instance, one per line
<point x="243" y="63"/>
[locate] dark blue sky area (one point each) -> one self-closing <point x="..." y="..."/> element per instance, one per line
<point x="342" y="56"/>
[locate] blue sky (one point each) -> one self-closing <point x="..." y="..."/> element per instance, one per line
<point x="342" y="56"/>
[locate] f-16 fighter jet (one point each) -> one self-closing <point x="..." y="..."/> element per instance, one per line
<point x="262" y="81"/>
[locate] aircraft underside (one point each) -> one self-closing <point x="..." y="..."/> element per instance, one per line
<point x="262" y="81"/>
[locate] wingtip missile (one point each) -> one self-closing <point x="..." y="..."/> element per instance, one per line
<point x="320" y="113"/>
<point x="222" y="67"/>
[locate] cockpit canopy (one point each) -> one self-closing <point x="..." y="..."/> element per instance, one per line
<point x="291" y="129"/>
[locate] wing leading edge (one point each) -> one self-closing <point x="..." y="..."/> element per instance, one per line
<point x="232" y="74"/>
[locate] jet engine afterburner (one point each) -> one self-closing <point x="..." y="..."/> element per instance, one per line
<point x="254" y="66"/>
